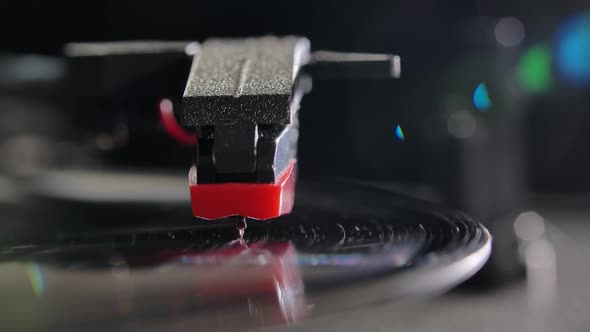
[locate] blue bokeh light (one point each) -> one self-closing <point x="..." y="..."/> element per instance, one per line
<point x="481" y="99"/>
<point x="573" y="49"/>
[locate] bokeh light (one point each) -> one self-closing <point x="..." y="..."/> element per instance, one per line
<point x="399" y="133"/>
<point x="534" y="69"/>
<point x="481" y="98"/>
<point x="573" y="49"/>
<point x="36" y="278"/>
<point x="509" y="31"/>
<point x="461" y="124"/>
<point x="529" y="226"/>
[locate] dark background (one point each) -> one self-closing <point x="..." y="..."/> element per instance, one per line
<point x="348" y="128"/>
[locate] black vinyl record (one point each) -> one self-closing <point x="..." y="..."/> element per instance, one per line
<point x="344" y="246"/>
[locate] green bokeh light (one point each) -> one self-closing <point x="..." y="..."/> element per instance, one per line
<point x="534" y="69"/>
<point x="399" y="133"/>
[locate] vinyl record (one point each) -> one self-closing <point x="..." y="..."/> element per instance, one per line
<point x="344" y="246"/>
